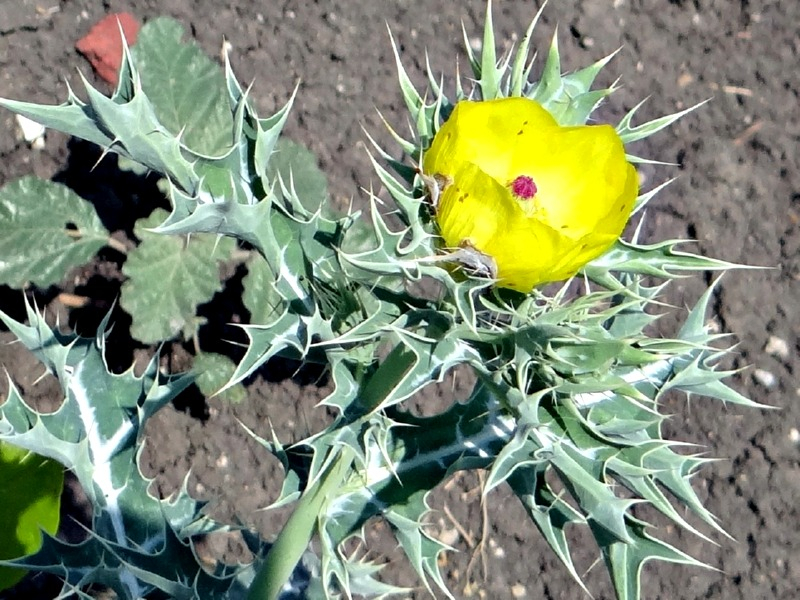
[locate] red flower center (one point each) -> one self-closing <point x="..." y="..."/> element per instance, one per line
<point x="523" y="187"/>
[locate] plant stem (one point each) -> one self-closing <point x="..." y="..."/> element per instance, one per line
<point x="293" y="539"/>
<point x="117" y="245"/>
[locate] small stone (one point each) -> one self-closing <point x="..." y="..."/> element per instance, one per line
<point x="713" y="326"/>
<point x="794" y="435"/>
<point x="449" y="537"/>
<point x="777" y="347"/>
<point x="518" y="590"/>
<point x="685" y="79"/>
<point x="499" y="552"/>
<point x="765" y="378"/>
<point x="222" y="461"/>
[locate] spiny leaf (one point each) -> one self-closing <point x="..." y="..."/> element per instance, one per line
<point x="630" y="133"/>
<point x="520" y="70"/>
<point x="421" y="549"/>
<point x="45" y="230"/>
<point x="660" y="260"/>
<point x="602" y="507"/>
<point x="519" y="453"/>
<point x="551" y="513"/>
<point x="489" y="75"/>
<point x="296" y="167"/>
<point x="415" y="362"/>
<point x="549" y="88"/>
<point x="96" y="433"/>
<point x="125" y="124"/>
<point x="625" y="560"/>
<point x="134" y="572"/>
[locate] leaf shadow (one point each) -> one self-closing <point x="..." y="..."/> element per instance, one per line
<point x="119" y="196"/>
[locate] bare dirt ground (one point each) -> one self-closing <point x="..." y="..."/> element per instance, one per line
<point x="738" y="194"/>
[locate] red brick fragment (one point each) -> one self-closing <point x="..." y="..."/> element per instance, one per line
<point x="103" y="45"/>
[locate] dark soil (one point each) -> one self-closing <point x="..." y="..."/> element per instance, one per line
<point x="738" y="194"/>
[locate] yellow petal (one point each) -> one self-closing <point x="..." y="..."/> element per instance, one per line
<point x="575" y="189"/>
<point x="474" y="209"/>
<point x="577" y="173"/>
<point x="491" y="141"/>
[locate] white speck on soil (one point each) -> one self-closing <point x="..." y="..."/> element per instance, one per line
<point x="449" y="537"/>
<point x="765" y="378"/>
<point x="777" y="347"/>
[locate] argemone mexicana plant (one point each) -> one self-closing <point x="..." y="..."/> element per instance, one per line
<point x="503" y="188"/>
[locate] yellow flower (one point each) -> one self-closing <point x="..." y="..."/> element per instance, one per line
<point x="533" y="200"/>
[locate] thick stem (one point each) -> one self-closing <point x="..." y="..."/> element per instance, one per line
<point x="293" y="539"/>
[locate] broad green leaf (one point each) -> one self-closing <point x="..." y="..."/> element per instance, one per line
<point x="213" y="373"/>
<point x="259" y="296"/>
<point x="30" y="496"/>
<point x="186" y="88"/>
<point x="168" y="277"/>
<point x="46" y="229"/>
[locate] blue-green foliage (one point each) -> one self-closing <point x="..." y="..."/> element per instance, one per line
<point x="568" y="385"/>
